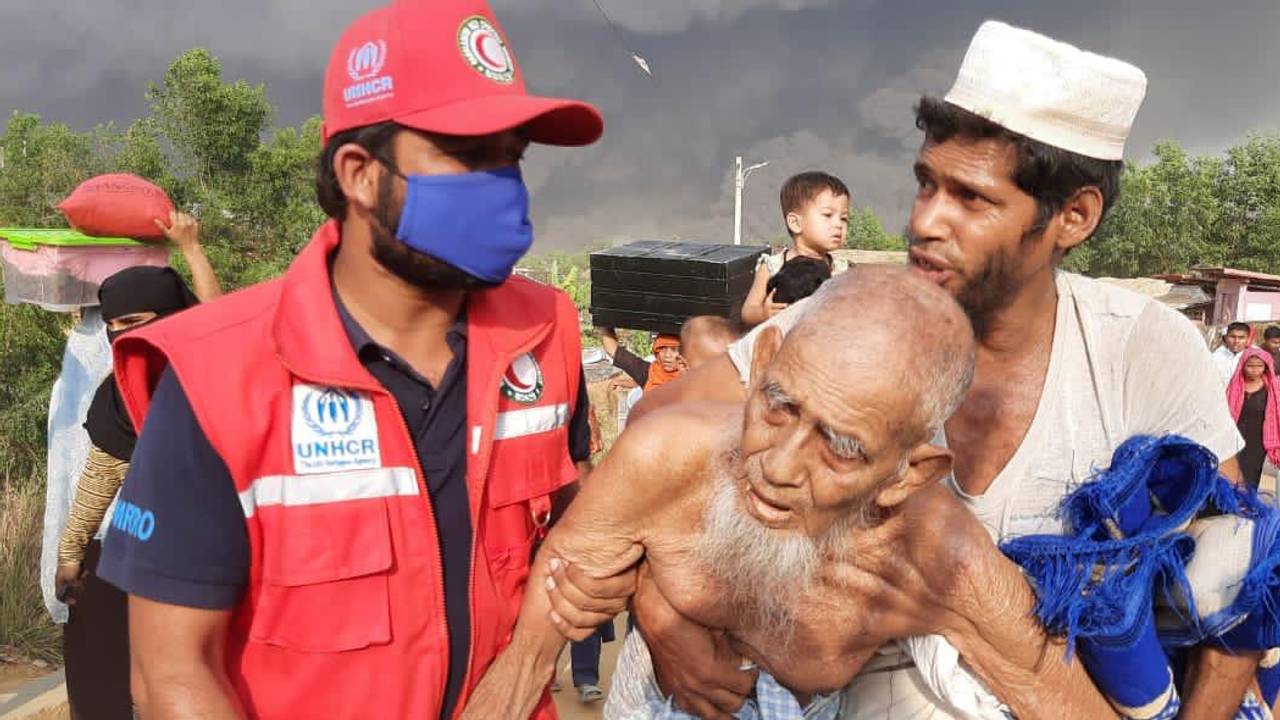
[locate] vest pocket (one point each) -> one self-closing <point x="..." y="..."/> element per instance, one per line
<point x="509" y="538"/>
<point x="325" y="575"/>
<point x="511" y="528"/>
<point x="524" y="473"/>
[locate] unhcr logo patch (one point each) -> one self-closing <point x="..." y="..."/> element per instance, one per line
<point x="330" y="411"/>
<point x="333" y="430"/>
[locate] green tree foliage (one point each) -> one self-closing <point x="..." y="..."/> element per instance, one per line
<point x="31" y="342"/>
<point x="1248" y="194"/>
<point x="213" y="127"/>
<point x="138" y="151"/>
<point x="42" y="164"/>
<point x="571" y="272"/>
<point x="203" y="141"/>
<point x="577" y="285"/>
<point x="866" y="232"/>
<point x="1179" y="212"/>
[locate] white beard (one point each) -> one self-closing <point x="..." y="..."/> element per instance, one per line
<point x="763" y="570"/>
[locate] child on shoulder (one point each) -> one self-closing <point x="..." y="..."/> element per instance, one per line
<point x="815" y="207"/>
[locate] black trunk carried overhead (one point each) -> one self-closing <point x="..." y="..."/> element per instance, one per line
<point x="658" y="284"/>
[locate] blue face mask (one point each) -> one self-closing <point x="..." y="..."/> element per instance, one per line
<point x="478" y="222"/>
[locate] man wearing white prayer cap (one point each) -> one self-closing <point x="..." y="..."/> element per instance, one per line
<point x="1019" y="164"/>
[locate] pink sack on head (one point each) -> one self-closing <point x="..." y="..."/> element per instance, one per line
<point x="118" y="205"/>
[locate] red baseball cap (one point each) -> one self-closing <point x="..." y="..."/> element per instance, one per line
<point x="442" y="66"/>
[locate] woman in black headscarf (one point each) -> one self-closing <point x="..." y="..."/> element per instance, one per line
<point x="130" y="299"/>
<point x="96" y="637"/>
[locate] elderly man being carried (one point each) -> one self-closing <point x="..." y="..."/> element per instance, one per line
<point x="808" y="528"/>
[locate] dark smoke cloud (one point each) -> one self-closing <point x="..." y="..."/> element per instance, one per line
<point x="800" y="83"/>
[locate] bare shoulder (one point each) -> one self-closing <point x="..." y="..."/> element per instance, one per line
<point x="654" y="466"/>
<point x="676" y="441"/>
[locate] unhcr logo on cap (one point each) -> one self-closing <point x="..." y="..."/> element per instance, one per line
<point x="364" y="63"/>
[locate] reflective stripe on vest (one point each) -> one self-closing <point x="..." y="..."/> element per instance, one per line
<point x="296" y="490"/>
<point x="530" y="421"/>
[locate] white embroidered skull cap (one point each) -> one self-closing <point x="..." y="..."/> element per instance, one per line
<point x="1049" y="91"/>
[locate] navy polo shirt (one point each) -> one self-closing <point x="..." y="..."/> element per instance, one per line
<point x="194" y="549"/>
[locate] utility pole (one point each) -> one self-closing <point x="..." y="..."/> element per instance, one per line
<point x="739" y="181"/>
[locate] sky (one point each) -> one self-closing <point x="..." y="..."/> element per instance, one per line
<point x="801" y="84"/>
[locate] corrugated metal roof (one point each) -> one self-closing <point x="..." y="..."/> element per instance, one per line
<point x="1151" y="287"/>
<point x="1233" y="273"/>
<point x="1178" y="296"/>
<point x="1185" y="296"/>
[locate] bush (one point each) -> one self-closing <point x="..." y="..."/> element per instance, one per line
<point x="31" y="344"/>
<point x="24" y="623"/>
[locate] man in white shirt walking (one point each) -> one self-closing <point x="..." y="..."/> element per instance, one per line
<point x="1019" y="164"/>
<point x="1227" y="357"/>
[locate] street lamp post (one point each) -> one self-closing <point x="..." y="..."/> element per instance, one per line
<point x="739" y="180"/>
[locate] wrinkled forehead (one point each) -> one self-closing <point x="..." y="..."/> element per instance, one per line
<point x="853" y="382"/>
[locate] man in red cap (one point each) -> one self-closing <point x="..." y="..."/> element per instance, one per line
<point x="342" y="471"/>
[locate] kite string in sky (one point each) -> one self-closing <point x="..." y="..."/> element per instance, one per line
<point x="640" y="61"/>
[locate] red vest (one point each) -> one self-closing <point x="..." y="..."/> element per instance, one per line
<point x="344" y="614"/>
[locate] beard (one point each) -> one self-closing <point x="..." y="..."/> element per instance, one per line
<point x="990" y="291"/>
<point x="993" y="288"/>
<point x="763" y="570"/>
<point x="414" y="267"/>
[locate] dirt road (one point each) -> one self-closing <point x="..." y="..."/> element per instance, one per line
<point x="567" y="699"/>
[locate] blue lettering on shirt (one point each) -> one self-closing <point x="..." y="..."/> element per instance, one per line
<point x="133" y="521"/>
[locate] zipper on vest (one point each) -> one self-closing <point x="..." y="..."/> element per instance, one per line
<point x="431" y="514"/>
<point x="490" y="412"/>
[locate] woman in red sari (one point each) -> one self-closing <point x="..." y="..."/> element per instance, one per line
<point x="1251" y="394"/>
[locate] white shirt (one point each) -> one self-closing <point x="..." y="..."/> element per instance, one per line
<point x="774" y="263"/>
<point x="1226" y="362"/>
<point x="1121" y="365"/>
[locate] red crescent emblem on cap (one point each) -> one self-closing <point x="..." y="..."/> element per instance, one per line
<point x="483" y="48"/>
<point x="485" y="43"/>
